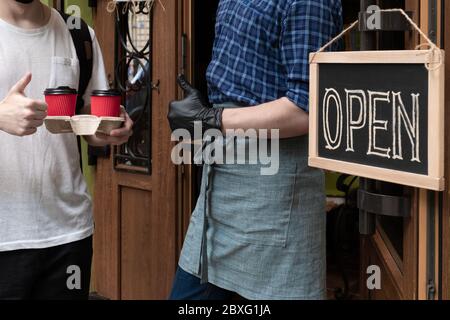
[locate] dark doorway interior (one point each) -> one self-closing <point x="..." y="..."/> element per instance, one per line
<point x="205" y="20"/>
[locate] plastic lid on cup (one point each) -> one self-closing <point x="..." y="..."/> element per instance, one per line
<point x="107" y="93"/>
<point x="59" y="91"/>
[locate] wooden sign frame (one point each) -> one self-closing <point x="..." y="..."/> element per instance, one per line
<point x="436" y="100"/>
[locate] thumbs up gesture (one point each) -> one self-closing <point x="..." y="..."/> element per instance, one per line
<point x="183" y="114"/>
<point x="19" y="115"/>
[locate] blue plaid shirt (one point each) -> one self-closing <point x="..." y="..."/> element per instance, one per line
<point x="261" y="48"/>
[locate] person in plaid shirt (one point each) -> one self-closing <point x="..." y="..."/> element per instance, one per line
<point x="261" y="237"/>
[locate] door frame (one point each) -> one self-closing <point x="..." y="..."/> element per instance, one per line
<point x="446" y="201"/>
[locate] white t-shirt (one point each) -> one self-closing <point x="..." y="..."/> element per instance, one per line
<point x="44" y="200"/>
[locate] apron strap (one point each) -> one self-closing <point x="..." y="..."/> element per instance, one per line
<point x="206" y="215"/>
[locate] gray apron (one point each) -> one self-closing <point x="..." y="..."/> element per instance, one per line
<point x="262" y="237"/>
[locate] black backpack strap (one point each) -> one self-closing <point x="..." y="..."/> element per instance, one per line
<point x="83" y="45"/>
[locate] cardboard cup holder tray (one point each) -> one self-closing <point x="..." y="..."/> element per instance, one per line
<point x="84" y="125"/>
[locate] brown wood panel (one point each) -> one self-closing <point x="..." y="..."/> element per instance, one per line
<point x="424" y="18"/>
<point x="391" y="272"/>
<point x="106" y="241"/>
<point x="412" y="38"/>
<point x="441" y="227"/>
<point x="134" y="180"/>
<point x="410" y="254"/>
<point x="164" y="204"/>
<point x="446" y="211"/>
<point x="185" y="173"/>
<point x="389" y="288"/>
<point x="139" y="263"/>
<point x="106" y="270"/>
<point x="423" y="252"/>
<point x="438" y="233"/>
<point x="364" y="262"/>
<point x="410" y="235"/>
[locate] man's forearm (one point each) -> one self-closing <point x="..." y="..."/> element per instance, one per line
<point x="280" y="114"/>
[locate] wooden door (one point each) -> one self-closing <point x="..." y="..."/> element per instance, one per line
<point x="136" y="236"/>
<point x="445" y="226"/>
<point x="408" y="250"/>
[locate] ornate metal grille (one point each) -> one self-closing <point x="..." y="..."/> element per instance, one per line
<point x="133" y="77"/>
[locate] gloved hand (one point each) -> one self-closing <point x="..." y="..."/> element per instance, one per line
<point x="193" y="108"/>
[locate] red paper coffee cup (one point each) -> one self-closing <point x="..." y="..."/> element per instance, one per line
<point x="61" y="101"/>
<point x="106" y="103"/>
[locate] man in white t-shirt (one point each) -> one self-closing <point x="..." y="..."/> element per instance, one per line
<point x="46" y="222"/>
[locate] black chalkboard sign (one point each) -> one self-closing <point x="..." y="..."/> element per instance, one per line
<point x="378" y="115"/>
<point x="369" y="118"/>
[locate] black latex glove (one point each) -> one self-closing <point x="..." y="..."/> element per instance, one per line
<point x="193" y="108"/>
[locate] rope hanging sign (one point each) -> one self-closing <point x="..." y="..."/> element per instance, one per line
<point x="379" y="114"/>
<point x="435" y="53"/>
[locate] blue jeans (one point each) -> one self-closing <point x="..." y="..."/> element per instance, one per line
<point x="188" y="287"/>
